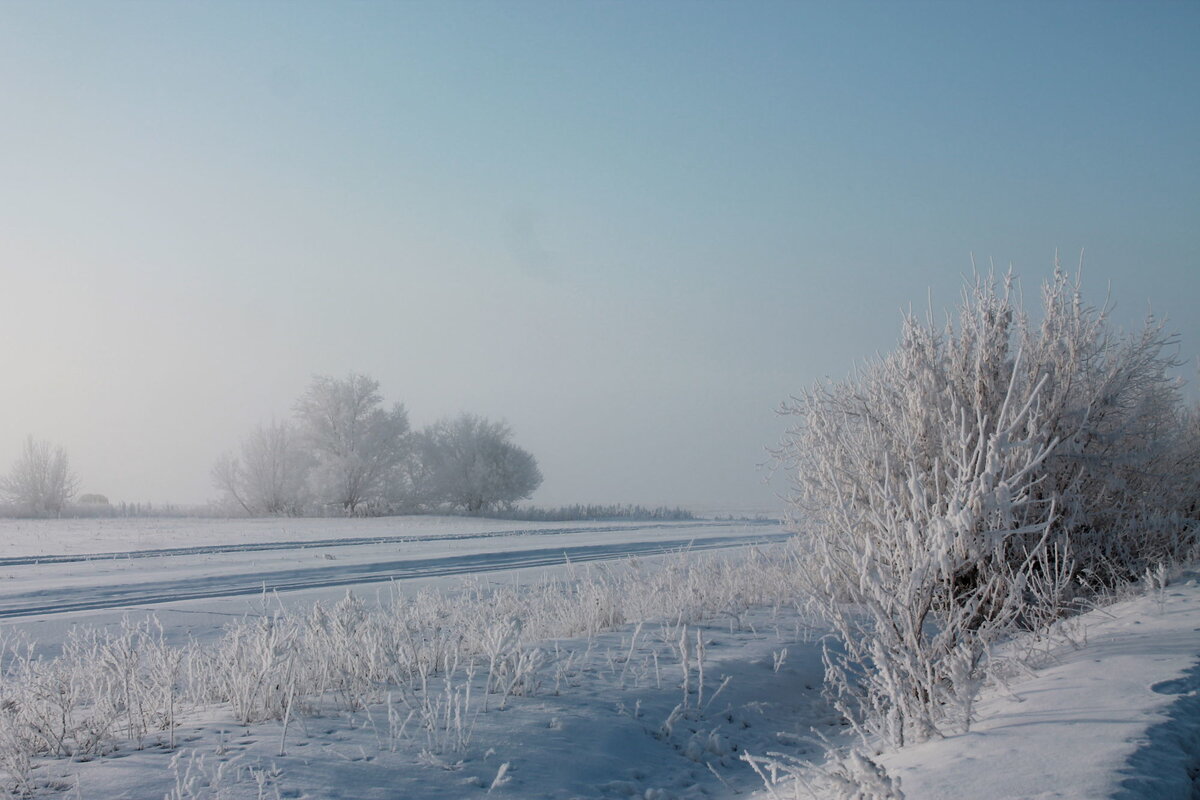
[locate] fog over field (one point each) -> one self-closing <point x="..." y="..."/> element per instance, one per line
<point x="628" y="230"/>
<point x="389" y="392"/>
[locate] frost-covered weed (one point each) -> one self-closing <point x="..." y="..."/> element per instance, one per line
<point x="850" y="775"/>
<point x="437" y="660"/>
<point x="199" y="778"/>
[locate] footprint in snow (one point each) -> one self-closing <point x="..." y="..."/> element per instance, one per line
<point x="1176" y="686"/>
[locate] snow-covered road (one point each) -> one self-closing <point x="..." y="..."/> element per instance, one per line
<point x="193" y="575"/>
<point x="348" y="541"/>
<point x="71" y="592"/>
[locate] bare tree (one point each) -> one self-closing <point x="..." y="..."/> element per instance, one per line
<point x="271" y="474"/>
<point x="359" y="446"/>
<point x="41" y="481"/>
<point x="470" y="463"/>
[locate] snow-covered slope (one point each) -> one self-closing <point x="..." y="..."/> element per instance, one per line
<point x="1119" y="717"/>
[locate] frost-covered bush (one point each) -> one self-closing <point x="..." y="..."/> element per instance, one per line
<point x="1124" y="467"/>
<point x="971" y="482"/>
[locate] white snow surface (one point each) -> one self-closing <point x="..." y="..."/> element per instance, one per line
<point x="48" y="537"/>
<point x="1116" y="717"/>
<point x="1113" y="715"/>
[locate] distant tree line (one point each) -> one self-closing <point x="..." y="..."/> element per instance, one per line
<point x="41" y="483"/>
<point x="80" y="508"/>
<point x="345" y="451"/>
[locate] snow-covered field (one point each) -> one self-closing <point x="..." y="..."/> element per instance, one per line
<point x="663" y="706"/>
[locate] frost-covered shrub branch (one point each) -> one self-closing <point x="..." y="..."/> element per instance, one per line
<point x="975" y="479"/>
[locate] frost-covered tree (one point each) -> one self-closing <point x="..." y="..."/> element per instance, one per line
<point x="269" y="475"/>
<point x="471" y="463"/>
<point x="359" y="446"/>
<point x="41" y="480"/>
<point x="972" y="480"/>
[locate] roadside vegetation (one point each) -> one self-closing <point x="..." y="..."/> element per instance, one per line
<point x="428" y="666"/>
<point x="991" y="476"/>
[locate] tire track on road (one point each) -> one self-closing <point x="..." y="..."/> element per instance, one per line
<point x="301" y="544"/>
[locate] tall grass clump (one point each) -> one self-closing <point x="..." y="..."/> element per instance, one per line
<point x="978" y="480"/>
<point x="433" y="662"/>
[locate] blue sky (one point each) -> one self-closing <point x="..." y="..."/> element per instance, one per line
<point x="629" y="229"/>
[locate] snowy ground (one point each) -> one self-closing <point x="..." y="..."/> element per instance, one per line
<point x="1114" y="718"/>
<point x="601" y="726"/>
<point x="1118" y="716"/>
<point x="654" y="711"/>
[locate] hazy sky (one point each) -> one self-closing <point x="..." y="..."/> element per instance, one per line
<point x="630" y="229"/>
